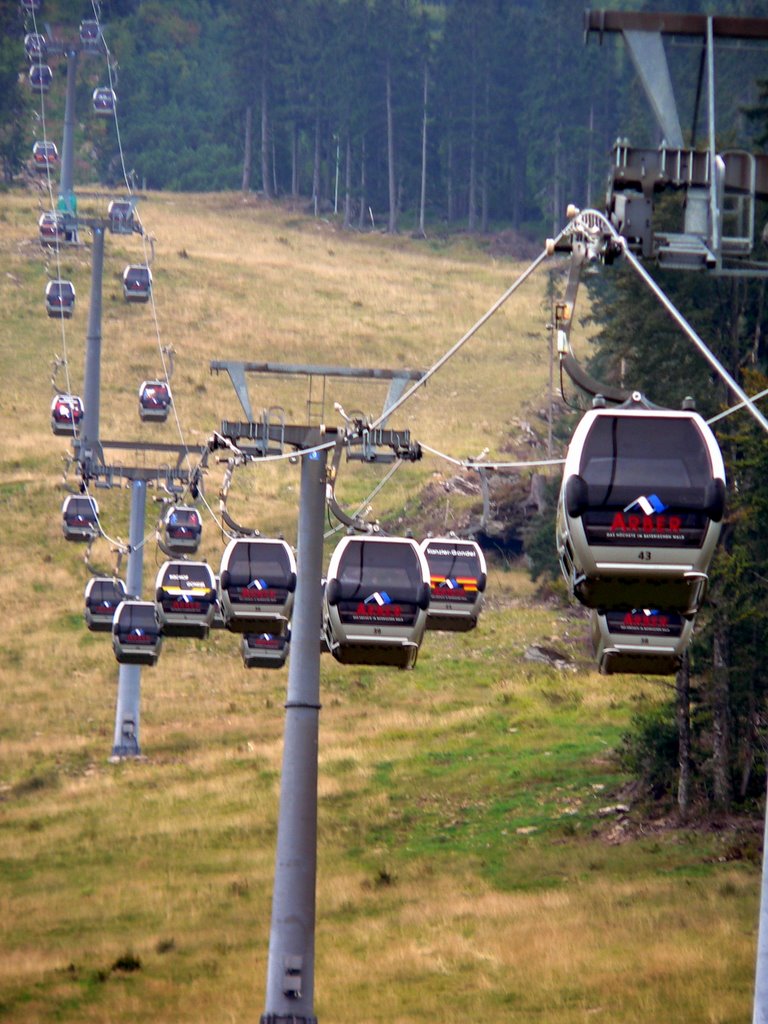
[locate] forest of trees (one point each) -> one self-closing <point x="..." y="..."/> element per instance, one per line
<point x="464" y="115"/>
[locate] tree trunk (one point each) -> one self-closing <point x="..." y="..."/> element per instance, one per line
<point x="683" y="710"/>
<point x="450" y="203"/>
<point x="720" y="718"/>
<point x="316" y="169"/>
<point x="348" y="185"/>
<point x="392" y="223"/>
<point x="423" y="195"/>
<point x="472" y="196"/>
<point x="361" y="218"/>
<point x="248" y="147"/>
<point x="485" y="156"/>
<point x="265" y="175"/>
<point x="590" y="137"/>
<point x="295" y="160"/>
<point x="557" y="212"/>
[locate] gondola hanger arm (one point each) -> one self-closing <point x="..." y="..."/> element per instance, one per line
<point x="355" y="522"/>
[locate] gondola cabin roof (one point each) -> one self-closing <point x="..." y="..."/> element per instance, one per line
<point x="136" y="634"/>
<point x="102" y="596"/>
<point x="185" y="598"/>
<point x="257" y="582"/>
<point x="375" y="602"/>
<point x="640" y="507"/>
<point x="457" y="576"/>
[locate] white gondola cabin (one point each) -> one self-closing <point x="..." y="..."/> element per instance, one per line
<point x="640" y="507"/>
<point x="137" y="283"/>
<point x="641" y="640"/>
<point x="265" y="650"/>
<point x="136" y="635"/>
<point x="375" y="601"/>
<point x="182" y="529"/>
<point x="121" y="217"/>
<point x="60" y="299"/>
<point x="185" y="598"/>
<point x="258" y="580"/>
<point x="35" y="47"/>
<point x="80" y="517"/>
<point x="154" y="401"/>
<point x="45" y="156"/>
<point x="40" y="77"/>
<point x="457" y="579"/>
<point x="53" y="229"/>
<point x="103" y="101"/>
<point x="102" y="596"/>
<point x="90" y="36"/>
<point x="66" y="415"/>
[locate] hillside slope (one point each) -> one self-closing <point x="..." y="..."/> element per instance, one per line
<point x="475" y="861"/>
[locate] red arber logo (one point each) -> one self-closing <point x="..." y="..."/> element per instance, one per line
<point x="647" y="524"/>
<point x="379" y="611"/>
<point x="643" y="619"/>
<point x="249" y="594"/>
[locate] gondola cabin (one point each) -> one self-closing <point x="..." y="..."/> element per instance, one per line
<point x="121" y="218"/>
<point x="103" y="101"/>
<point x="182" y="529"/>
<point x="35" y="47"/>
<point x="376" y="600"/>
<point x="136" y="635"/>
<point x="60" y="299"/>
<point x="185" y="598"/>
<point x="457" y="578"/>
<point x="137" y="283"/>
<point x="154" y="401"/>
<point x="40" y="77"/>
<point x="265" y="650"/>
<point x="102" y="596"/>
<point x="66" y="415"/>
<point x="258" y="580"/>
<point x="641" y="640"/>
<point x="80" y="517"/>
<point x="90" y="36"/>
<point x="640" y="507"/>
<point x="52" y="228"/>
<point x="45" y="156"/>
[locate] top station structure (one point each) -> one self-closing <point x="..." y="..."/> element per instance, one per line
<point x="721" y="189"/>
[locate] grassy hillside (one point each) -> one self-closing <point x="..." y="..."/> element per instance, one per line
<point x="471" y="866"/>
